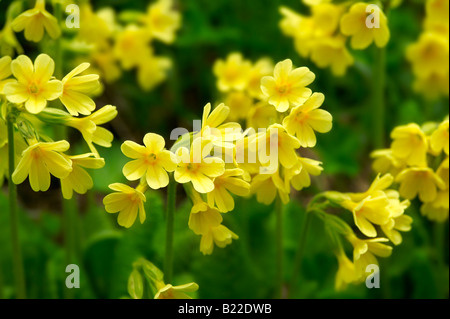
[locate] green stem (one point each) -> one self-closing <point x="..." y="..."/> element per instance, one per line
<point x="171" y="201"/>
<point x="279" y="247"/>
<point x="379" y="103"/>
<point x="300" y="250"/>
<point x="19" y="274"/>
<point x="439" y="245"/>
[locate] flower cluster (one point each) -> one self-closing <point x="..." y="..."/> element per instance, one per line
<point x="26" y="90"/>
<point x="283" y="116"/>
<point x="379" y="210"/>
<point x="418" y="159"/>
<point x="429" y="55"/>
<point x="112" y="46"/>
<point x="146" y="281"/>
<point x="322" y="36"/>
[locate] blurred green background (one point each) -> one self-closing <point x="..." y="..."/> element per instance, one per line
<point x="245" y="269"/>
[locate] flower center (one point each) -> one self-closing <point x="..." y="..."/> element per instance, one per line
<point x="33" y="88"/>
<point x="284" y="89"/>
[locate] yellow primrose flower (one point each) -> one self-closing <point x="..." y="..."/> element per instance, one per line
<point x="219" y="133"/>
<point x="260" y="69"/>
<point x="34" y="85"/>
<point x="132" y="46"/>
<point x="438" y="209"/>
<point x="299" y="176"/>
<point x="152" y="70"/>
<point x="203" y="217"/>
<point x="422" y="181"/>
<point x="287" y="87"/>
<point x="277" y="139"/>
<point x="267" y="185"/>
<point x="374" y="209"/>
<point x="361" y="24"/>
<point x="233" y="73"/>
<point x="290" y="25"/>
<point x="75" y="89"/>
<point x="176" y="292"/>
<point x="221" y="236"/>
<point x="151" y="161"/>
<point x="78" y="179"/>
<point x="410" y="144"/>
<point x="240" y="105"/>
<point x="97" y="27"/>
<point x="332" y="52"/>
<point x="366" y="251"/>
<point x="126" y="201"/>
<point x="432" y="86"/>
<point x="326" y="17"/>
<point x="399" y="221"/>
<point x="34" y="21"/>
<point x="439" y="140"/>
<point x="40" y="160"/>
<point x="262" y="115"/>
<point x="162" y="21"/>
<point x="429" y="55"/>
<point x="380" y="183"/>
<point x="106" y="65"/>
<point x="90" y="129"/>
<point x="346" y="273"/>
<point x="438" y="10"/>
<point x="5" y="72"/>
<point x="385" y="162"/>
<point x="198" y="167"/>
<point x="307" y="118"/>
<point x="228" y="182"/>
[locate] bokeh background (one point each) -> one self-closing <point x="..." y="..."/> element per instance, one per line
<point x="246" y="269"/>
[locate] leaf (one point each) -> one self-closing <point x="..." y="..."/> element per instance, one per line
<point x="136" y="285"/>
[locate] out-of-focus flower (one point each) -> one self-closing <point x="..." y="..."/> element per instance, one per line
<point x="176" y="292"/>
<point x="126" y="201"/>
<point x="34" y="85"/>
<point x="76" y="90"/>
<point x="233" y="73"/>
<point x="40" y="160"/>
<point x="287" y="87"/>
<point x="151" y="161"/>
<point x="439" y="140"/>
<point x="422" y="181"/>
<point x="5" y="72"/>
<point x="132" y="46"/>
<point x="410" y="144"/>
<point x="307" y="118"/>
<point x="152" y="70"/>
<point x="34" y="21"/>
<point x="356" y="23"/>
<point x="162" y="21"/>
<point x="332" y="52"/>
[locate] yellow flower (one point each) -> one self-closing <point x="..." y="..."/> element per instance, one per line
<point x="79" y="180"/>
<point x="97" y="27"/>
<point x="126" y="201"/>
<point x="34" y="21"/>
<point x="361" y="24"/>
<point x="291" y="23"/>
<point x="438" y="209"/>
<point x="198" y="167"/>
<point x="287" y="87"/>
<point x="429" y="55"/>
<point x="152" y="70"/>
<point x="299" y="176"/>
<point x="326" y="17"/>
<point x="437" y="11"/>
<point x="277" y="143"/>
<point x="439" y="140"/>
<point x="106" y="65"/>
<point x="151" y="161"/>
<point x="365" y="252"/>
<point x="266" y="186"/>
<point x="221" y="236"/>
<point x="381" y="183"/>
<point x="262" y="68"/>
<point x="262" y="115"/>
<point x="162" y="21"/>
<point x="432" y="86"/>
<point x="240" y="105"/>
<point x="40" y="160"/>
<point x="385" y="162"/>
<point x="34" y="85"/>
<point x="332" y="52"/>
<point x="374" y="209"/>
<point x="346" y="273"/>
<point x="233" y="73"/>
<point x="307" y="118"/>
<point x="228" y="182"/>
<point x="203" y="216"/>
<point x="90" y="129"/>
<point x="5" y="72"/>
<point x="420" y="181"/>
<point x="410" y="144"/>
<point x="399" y="221"/>
<point x="76" y="87"/>
<point x="132" y="46"/>
<point x="176" y="292"/>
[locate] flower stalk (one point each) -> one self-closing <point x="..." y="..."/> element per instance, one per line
<point x="170" y="219"/>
